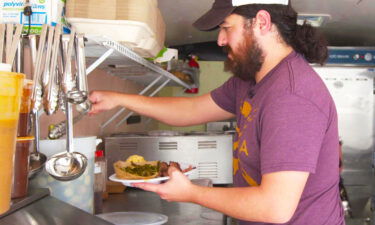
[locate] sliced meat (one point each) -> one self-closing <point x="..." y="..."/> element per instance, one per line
<point x="188" y="169"/>
<point x="163" y="169"/>
<point x="175" y="164"/>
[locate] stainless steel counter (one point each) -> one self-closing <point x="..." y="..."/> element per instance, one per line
<point x="178" y="213"/>
<point x="39" y="208"/>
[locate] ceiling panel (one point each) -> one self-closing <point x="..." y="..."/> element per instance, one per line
<point x="352" y="22"/>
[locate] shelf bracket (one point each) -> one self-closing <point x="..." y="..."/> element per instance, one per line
<point x="104" y="49"/>
<point x="151" y="95"/>
<point x="118" y="113"/>
<point x="99" y="61"/>
<point x="133" y="56"/>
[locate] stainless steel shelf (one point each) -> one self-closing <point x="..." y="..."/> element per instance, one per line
<point x="118" y="60"/>
<point x="121" y="61"/>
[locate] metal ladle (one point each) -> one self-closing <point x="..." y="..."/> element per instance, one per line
<point x="67" y="165"/>
<point x="37" y="159"/>
<point x="79" y="94"/>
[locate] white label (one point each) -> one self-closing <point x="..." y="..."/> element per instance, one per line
<point x="97" y="168"/>
<point x="246" y="2"/>
<point x="44" y="12"/>
<point x="12" y="12"/>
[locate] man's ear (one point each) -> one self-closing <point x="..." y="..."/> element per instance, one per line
<point x="264" y="22"/>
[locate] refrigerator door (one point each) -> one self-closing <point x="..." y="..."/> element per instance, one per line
<point x="352" y="89"/>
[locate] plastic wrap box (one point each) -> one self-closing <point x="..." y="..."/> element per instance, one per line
<point x="44" y="12"/>
<point x="136" y="23"/>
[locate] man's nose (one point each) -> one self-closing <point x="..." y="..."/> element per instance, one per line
<point x="221" y="39"/>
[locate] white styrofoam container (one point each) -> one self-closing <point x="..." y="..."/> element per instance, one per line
<point x="167" y="56"/>
<point x="5" y="67"/>
<point x="148" y="47"/>
<point x="136" y="35"/>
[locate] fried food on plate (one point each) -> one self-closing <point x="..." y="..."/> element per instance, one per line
<point x="136" y="170"/>
<point x="136" y="167"/>
<point x="135" y="159"/>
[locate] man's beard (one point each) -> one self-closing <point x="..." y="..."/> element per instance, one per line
<point x="247" y="61"/>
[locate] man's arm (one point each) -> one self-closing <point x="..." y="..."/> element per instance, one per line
<point x="176" y="111"/>
<point x="274" y="201"/>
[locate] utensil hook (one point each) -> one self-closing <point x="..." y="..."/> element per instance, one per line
<point x="36" y="131"/>
<point x="69" y="127"/>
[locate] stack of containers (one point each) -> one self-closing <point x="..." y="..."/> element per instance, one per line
<point x="10" y="97"/>
<point x="24" y="144"/>
<point x="138" y="24"/>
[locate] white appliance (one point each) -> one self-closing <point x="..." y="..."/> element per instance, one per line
<point x="210" y="152"/>
<point x="349" y="76"/>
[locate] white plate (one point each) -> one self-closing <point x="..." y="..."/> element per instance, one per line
<point x="156" y="180"/>
<point x="134" y="218"/>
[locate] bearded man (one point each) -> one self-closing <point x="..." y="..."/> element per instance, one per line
<point x="285" y="156"/>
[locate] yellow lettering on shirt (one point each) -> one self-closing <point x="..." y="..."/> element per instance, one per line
<point x="237" y="129"/>
<point x="246" y="109"/>
<point x="239" y="133"/>
<point x="235" y="166"/>
<point x="243" y="148"/>
<point x="235" y="145"/>
<point x="249" y="179"/>
<point x="251" y="117"/>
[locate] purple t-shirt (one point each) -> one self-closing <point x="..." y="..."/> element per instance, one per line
<point x="287" y="122"/>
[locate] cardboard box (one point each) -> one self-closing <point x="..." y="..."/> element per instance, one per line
<point x="136" y="10"/>
<point x="129" y="12"/>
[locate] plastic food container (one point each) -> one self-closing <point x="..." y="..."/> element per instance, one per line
<point x="21" y="166"/>
<point x="24" y="123"/>
<point x="10" y="97"/>
<point x="5" y="67"/>
<point x="78" y="192"/>
<point x="134" y="218"/>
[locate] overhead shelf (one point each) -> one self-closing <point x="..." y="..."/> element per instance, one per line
<point x="120" y="61"/>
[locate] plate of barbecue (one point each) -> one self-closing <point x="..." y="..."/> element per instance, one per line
<point x="136" y="169"/>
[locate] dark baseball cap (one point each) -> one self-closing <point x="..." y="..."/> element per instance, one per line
<point x="223" y="8"/>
